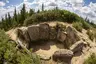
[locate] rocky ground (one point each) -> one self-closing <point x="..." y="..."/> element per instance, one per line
<point x="45" y="51"/>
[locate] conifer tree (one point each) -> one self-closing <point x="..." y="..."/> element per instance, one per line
<point x="9" y="20"/>
<point x="31" y="12"/>
<point x="23" y="14"/>
<point x="42" y="7"/>
<point x="15" y="15"/>
<point x="38" y="11"/>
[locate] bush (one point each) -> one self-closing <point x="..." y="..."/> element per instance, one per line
<point x="12" y="55"/>
<point x="92" y="34"/>
<point x="86" y="25"/>
<point x="91" y="59"/>
<point x="77" y="26"/>
<point x="52" y="15"/>
<point x="60" y="27"/>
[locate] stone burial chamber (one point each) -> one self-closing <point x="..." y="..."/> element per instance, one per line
<point x="44" y="32"/>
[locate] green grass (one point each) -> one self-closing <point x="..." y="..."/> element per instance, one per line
<point x="91" y="59"/>
<point x="77" y="26"/>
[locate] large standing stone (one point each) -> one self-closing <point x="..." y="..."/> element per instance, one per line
<point x="78" y="46"/>
<point x="63" y="55"/>
<point x="72" y="36"/>
<point x="23" y="36"/>
<point x="33" y="32"/>
<point x="53" y="33"/>
<point x="61" y="36"/>
<point x="44" y="31"/>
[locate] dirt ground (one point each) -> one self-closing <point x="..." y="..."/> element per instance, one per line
<point x="47" y="49"/>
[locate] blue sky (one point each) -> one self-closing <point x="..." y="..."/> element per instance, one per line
<point x="84" y="8"/>
<point x="14" y="2"/>
<point x="87" y="2"/>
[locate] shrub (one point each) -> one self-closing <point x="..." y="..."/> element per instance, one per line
<point x="52" y="15"/>
<point x="60" y="27"/>
<point x="91" y="59"/>
<point x="77" y="26"/>
<point x="86" y="25"/>
<point x="91" y="34"/>
<point x="12" y="55"/>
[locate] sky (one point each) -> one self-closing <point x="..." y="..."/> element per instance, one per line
<point x="84" y="8"/>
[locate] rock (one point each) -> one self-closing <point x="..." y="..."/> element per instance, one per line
<point x="45" y="57"/>
<point x="53" y="33"/>
<point x="23" y="36"/>
<point x="63" y="55"/>
<point x="72" y="36"/>
<point x="33" y="32"/>
<point x="61" y="36"/>
<point x="44" y="31"/>
<point x="78" y="46"/>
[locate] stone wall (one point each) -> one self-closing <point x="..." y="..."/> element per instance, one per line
<point x="46" y="32"/>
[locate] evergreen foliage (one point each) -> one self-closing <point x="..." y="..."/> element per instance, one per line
<point x="27" y="18"/>
<point x="52" y="15"/>
<point x="10" y="54"/>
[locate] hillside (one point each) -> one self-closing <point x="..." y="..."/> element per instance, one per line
<point x="45" y="51"/>
<point x="47" y="37"/>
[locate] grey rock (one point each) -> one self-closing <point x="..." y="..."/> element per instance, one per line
<point x="23" y="36"/>
<point x="44" y="30"/>
<point x="45" y="57"/>
<point x="72" y="36"/>
<point x="61" y="36"/>
<point x="63" y="55"/>
<point x="78" y="46"/>
<point x="53" y="33"/>
<point x="33" y="32"/>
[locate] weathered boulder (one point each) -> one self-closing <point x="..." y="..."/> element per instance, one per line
<point x="61" y="36"/>
<point x="44" y="30"/>
<point x="72" y="36"/>
<point x="63" y="55"/>
<point x="53" y="33"/>
<point x="78" y="46"/>
<point x="23" y="36"/>
<point x="33" y="32"/>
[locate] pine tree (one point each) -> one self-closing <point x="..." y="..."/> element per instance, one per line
<point x="9" y="20"/>
<point x="42" y="7"/>
<point x="56" y="8"/>
<point x="2" y="23"/>
<point x="38" y="11"/>
<point x="15" y="15"/>
<point x="6" y="21"/>
<point x="23" y="14"/>
<point x="31" y="12"/>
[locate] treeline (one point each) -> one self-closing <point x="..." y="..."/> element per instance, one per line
<point x="17" y="20"/>
<point x="27" y="18"/>
<point x="53" y="15"/>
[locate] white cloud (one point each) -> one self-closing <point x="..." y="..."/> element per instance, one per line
<point x="2" y="3"/>
<point x="7" y="1"/>
<point x="25" y="0"/>
<point x="76" y="6"/>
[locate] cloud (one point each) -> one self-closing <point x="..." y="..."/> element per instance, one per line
<point x="76" y="6"/>
<point x="52" y="4"/>
<point x="25" y="0"/>
<point x="2" y="3"/>
<point x="7" y="1"/>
